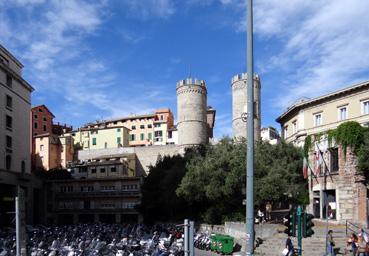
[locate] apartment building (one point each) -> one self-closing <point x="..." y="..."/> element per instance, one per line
<point x="15" y="159"/>
<point x="101" y="137"/>
<point x="105" y="189"/>
<point x="335" y="188"/>
<point x="52" y="151"/>
<point x="143" y="130"/>
<point x="270" y="135"/>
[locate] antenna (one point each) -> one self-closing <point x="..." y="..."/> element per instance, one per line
<point x="189" y="70"/>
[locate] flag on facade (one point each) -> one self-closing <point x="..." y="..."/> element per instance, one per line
<point x="305" y="168"/>
<point x="318" y="160"/>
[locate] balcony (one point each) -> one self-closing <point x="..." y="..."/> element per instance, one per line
<point x="112" y="193"/>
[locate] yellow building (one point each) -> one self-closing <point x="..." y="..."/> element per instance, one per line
<point x="323" y="113"/>
<point x="136" y="130"/>
<point x="101" y="137"/>
<point x="336" y="188"/>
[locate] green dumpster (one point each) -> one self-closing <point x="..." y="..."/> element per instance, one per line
<point x="213" y="242"/>
<point x="225" y="244"/>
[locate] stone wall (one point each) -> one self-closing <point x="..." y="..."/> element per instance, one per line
<point x="146" y="156"/>
<point x="351" y="193"/>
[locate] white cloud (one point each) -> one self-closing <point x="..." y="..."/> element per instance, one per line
<point x="324" y="44"/>
<point x="147" y="9"/>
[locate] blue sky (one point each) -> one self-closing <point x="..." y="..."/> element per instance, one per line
<point x="90" y="60"/>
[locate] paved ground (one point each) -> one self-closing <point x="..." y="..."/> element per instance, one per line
<point x="209" y="253"/>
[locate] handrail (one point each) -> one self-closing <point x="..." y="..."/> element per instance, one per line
<point x="348" y="224"/>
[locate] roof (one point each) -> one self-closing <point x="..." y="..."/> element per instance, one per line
<point x="162" y="110"/>
<point x="100" y="128"/>
<point x="11" y="56"/>
<point x="122" y="119"/>
<point x="42" y="106"/>
<point x="304" y="103"/>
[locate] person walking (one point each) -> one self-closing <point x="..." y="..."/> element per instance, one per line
<point x="268" y="209"/>
<point x="330" y="243"/>
<point x="289" y="246"/>
<point x="352" y="243"/>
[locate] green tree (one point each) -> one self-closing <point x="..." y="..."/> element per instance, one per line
<point x="217" y="178"/>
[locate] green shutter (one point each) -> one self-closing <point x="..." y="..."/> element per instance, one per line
<point x="150" y="135"/>
<point x="93" y="141"/>
<point x="142" y="136"/>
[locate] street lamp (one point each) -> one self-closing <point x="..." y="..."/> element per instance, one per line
<point x="250" y="136"/>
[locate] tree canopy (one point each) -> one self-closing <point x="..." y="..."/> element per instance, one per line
<point x="207" y="183"/>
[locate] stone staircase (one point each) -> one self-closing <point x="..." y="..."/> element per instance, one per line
<point x="312" y="246"/>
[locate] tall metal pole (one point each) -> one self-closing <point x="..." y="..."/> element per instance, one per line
<point x="186" y="238"/>
<point x="190" y="240"/>
<point x="250" y="136"/>
<point x="299" y="229"/>
<point x="17" y="226"/>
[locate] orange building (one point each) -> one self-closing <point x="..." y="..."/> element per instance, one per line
<point x="50" y="148"/>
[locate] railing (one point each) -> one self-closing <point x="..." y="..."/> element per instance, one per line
<point x="350" y="227"/>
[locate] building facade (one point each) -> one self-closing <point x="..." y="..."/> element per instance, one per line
<point x="336" y="188"/>
<point x="239" y="106"/>
<point x="105" y="189"/>
<point x="270" y="135"/>
<point x="15" y="142"/>
<point x="52" y="151"/>
<point x="143" y="130"/>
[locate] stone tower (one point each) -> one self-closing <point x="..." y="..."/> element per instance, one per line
<point x="191" y="112"/>
<point x="239" y="105"/>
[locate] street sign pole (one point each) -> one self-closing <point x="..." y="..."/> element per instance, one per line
<point x="186" y="237"/>
<point x="250" y="135"/>
<point x="190" y="240"/>
<point x="299" y="229"/>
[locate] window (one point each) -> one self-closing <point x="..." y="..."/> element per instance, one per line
<point x="9" y="102"/>
<point x="294" y="126"/>
<point x="9" y="80"/>
<point x="35" y="116"/>
<point x="45" y="119"/>
<point x="86" y="204"/>
<point x="113" y="169"/>
<point x="102" y="170"/>
<point x="285" y="131"/>
<point x="170" y="134"/>
<point x="158" y="133"/>
<point x="70" y="188"/>
<point x="149" y="126"/>
<point x="93" y="141"/>
<point x="9" y="122"/>
<point x="8" y="162"/>
<point x="8" y="141"/>
<point x="118" y="130"/>
<point x="35" y="125"/>
<point x="366" y="107"/>
<point x="142" y="126"/>
<point x="44" y="128"/>
<point x="133" y="127"/>
<point x="119" y="140"/>
<point x="106" y="145"/>
<point x="131" y="137"/>
<point x="317" y="119"/>
<point x="150" y="136"/>
<point x="39" y="110"/>
<point x="334" y="159"/>
<point x="161" y="117"/>
<point x="93" y="170"/>
<point x="342" y="113"/>
<point x="142" y="136"/>
<point x="156" y="125"/>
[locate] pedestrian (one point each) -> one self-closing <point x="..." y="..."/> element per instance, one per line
<point x="362" y="246"/>
<point x="352" y="243"/>
<point x="268" y="209"/>
<point x="364" y="235"/>
<point x="330" y="243"/>
<point x="289" y="246"/>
